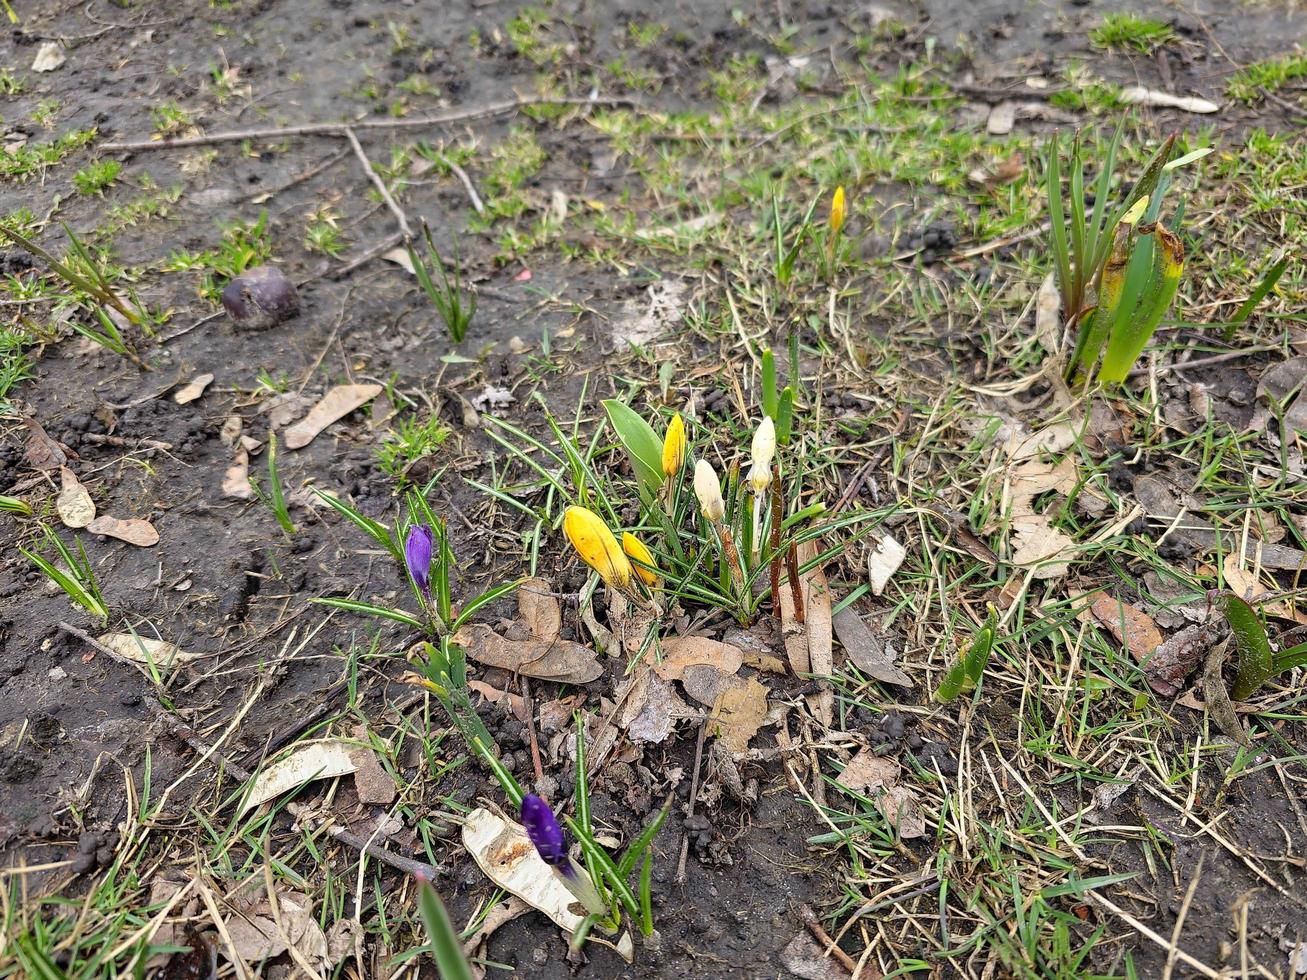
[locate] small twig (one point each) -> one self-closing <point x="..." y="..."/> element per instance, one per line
<point x="295" y="181"/>
<point x="819" y="933"/>
<point x="298" y="811"/>
<point x="796" y="586"/>
<point x="1198" y="362"/>
<point x="531" y="729"/>
<point x="694" y="792"/>
<point x="185" y="330"/>
<point x="472" y="194"/>
<point x="379" y="184"/>
<point x="339" y="129"/>
<point x="385" y="245"/>
<point x="1148" y="933"/>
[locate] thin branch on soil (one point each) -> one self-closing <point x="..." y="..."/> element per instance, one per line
<point x="472" y="194"/>
<point x="340" y="129"/>
<point x="380" y="185"/>
<point x="298" y="811"/>
<point x="298" y="179"/>
<point x="1199" y="362"/>
<point x="383" y="246"/>
<point x="1180" y="917"/>
<point x="694" y="792"/>
<point x="531" y="729"/>
<point x="822" y="936"/>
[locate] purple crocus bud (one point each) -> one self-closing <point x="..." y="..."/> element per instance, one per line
<point x="417" y="555"/>
<point x="545" y="833"/>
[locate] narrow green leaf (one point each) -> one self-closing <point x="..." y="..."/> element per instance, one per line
<point x="446" y="950"/>
<point x="368" y="609"/>
<point x="1263" y="289"/>
<point x="643" y="446"/>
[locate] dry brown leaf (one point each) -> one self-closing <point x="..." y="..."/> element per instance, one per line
<point x="1176" y="659"/>
<point x="236" y="478"/>
<point x="705" y="683"/>
<point x="560" y="660"/>
<point x="765" y="663"/>
<point x="738" y="714"/>
<point x="1219" y="705"/>
<point x="867" y="652"/>
<point x="1132" y="627"/>
<point x="1048" y="315"/>
<point x="515" y="703"/>
<point x="1034" y="541"/>
<point x="651" y="712"/>
<point x="319" y="760"/>
<point x="335" y="405"/>
<point x="1238" y="579"/>
<point x="803" y="958"/>
<point x="538" y="608"/>
<point x="817" y="612"/>
<point x="133" y="530"/>
<point x="371" y="781"/>
<point x="898" y="804"/>
<point x="556" y="715"/>
<point x="868" y="771"/>
<point x="193" y="389"/>
<point x="41" y="451"/>
<point x="401" y="258"/>
<point x="144" y="650"/>
<point x="256" y="936"/>
<point x="685" y="651"/>
<point x="74" y="504"/>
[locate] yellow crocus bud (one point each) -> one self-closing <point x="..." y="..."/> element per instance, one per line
<point x="644" y="563"/>
<point x="709" y="491"/>
<point x="674" y="447"/>
<point x="764" y="450"/>
<point x="837" y="210"/>
<point x="597" y="546"/>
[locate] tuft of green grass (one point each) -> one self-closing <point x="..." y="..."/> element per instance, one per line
<point x="244" y="245"/>
<point x="10" y="84"/>
<point x="34" y="159"/>
<point x="95" y="178"/>
<point x="1247" y="84"/>
<point x="411" y="440"/>
<point x="1130" y="32"/>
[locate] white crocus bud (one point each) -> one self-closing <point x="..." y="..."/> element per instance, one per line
<point x="709" y="491"/>
<point x="764" y="450"/>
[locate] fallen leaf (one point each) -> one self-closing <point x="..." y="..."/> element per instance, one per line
<point x="49" y="56"/>
<point x="74" y="504"/>
<point x="1033" y="539"/>
<point x="335" y="405"/>
<point x="1217" y="696"/>
<point x="507" y="857"/>
<point x="556" y="715"/>
<point x="878" y="779"/>
<point x="193" y="389"/>
<point x="231" y="430"/>
<point x="1132" y="627"/>
<point x="551" y="660"/>
<point x="651" y="712"/>
<point x="705" y="683"/>
<point x="41" y="451"/>
<point x="684" y="651"/>
<point x="817" y="611"/>
<point x="538" y="609"/>
<point x="1238" y="579"/>
<point x="320" y="760"/>
<point x="1176" y="659"/>
<point x="739" y="713"/>
<point x="236" y="478"/>
<point x="256" y="936"/>
<point x="133" y="530"/>
<point x="867" y="771"/>
<point x="884" y="562"/>
<point x="344" y="938"/>
<point x="285" y="408"/>
<point x="515" y="703"/>
<point x="1137" y="95"/>
<point x="401" y="258"/>
<point x="803" y="958"/>
<point x="866" y="651"/>
<point x="371" y="781"/>
<point x="144" y="650"/>
<point x="641" y="321"/>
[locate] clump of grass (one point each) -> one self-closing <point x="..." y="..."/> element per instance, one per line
<point x="1247" y="84"/>
<point x="76" y="578"/>
<point x="455" y="305"/>
<point x="411" y="440"/>
<point x="244" y="245"/>
<point x="1129" y="31"/>
<point x="96" y="178"/>
<point x="274" y="497"/>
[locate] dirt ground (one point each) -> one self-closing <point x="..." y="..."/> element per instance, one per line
<point x="1081" y="818"/>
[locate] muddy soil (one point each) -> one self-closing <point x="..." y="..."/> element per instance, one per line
<point x="224" y="579"/>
